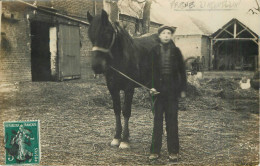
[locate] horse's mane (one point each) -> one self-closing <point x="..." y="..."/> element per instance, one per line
<point x="146" y="41"/>
<point x="127" y="45"/>
<point x="124" y="35"/>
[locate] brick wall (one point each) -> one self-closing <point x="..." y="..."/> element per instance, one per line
<point x="77" y="8"/>
<point x="85" y="52"/>
<point x="15" y="56"/>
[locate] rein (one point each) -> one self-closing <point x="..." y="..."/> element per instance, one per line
<point x="108" y="51"/>
<point x="143" y="86"/>
<point x="130" y="78"/>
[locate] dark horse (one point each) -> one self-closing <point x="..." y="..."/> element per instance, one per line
<point x="113" y="46"/>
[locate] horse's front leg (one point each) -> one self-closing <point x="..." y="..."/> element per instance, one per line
<point x="117" y="110"/>
<point x="127" y="113"/>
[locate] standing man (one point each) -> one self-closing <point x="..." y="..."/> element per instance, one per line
<point x="168" y="78"/>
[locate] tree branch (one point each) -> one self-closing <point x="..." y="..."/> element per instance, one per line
<point x="258" y="7"/>
<point x="139" y="1"/>
<point x="255" y="10"/>
<point x="142" y="1"/>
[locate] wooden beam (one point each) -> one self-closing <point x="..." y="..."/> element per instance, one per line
<point x="241" y="31"/>
<point x="216" y="56"/>
<point x="211" y="53"/>
<point x="258" y="53"/>
<point x="231" y="39"/>
<point x="256" y="42"/>
<point x="220" y="44"/>
<point x="235" y="30"/>
<point x="248" y="31"/>
<point x="223" y="29"/>
<point x="235" y="39"/>
<point x="94" y="7"/>
<point x="229" y="32"/>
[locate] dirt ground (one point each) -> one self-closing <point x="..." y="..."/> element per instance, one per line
<point x="218" y="123"/>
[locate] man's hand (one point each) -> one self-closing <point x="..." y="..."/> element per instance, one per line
<point x="154" y="91"/>
<point x="183" y="94"/>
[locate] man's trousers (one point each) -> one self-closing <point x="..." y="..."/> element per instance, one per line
<point x="166" y="103"/>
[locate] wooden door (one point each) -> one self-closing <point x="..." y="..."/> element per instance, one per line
<point x="68" y="52"/>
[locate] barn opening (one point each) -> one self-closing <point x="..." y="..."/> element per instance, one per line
<point x="41" y="51"/>
<point x="235" y="47"/>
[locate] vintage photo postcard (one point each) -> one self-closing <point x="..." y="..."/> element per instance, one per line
<point x="129" y="82"/>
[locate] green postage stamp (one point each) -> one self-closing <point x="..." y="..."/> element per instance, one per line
<point x="22" y="142"/>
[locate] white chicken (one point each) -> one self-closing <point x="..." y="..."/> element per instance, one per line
<point x="244" y="83"/>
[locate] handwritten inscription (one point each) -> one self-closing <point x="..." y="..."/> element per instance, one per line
<point x="204" y="4"/>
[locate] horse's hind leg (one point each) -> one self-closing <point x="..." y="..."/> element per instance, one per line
<point x="117" y="110"/>
<point x="127" y="113"/>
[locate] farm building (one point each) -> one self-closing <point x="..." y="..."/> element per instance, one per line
<point x="232" y="46"/>
<point x="235" y="47"/>
<point x="191" y="36"/>
<point x="39" y="41"/>
<point x="39" y="45"/>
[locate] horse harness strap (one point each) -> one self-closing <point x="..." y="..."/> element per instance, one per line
<point x="106" y="50"/>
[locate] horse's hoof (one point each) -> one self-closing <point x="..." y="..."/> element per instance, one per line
<point x="115" y="142"/>
<point x="124" y="145"/>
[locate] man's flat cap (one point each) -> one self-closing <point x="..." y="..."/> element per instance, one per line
<point x="163" y="27"/>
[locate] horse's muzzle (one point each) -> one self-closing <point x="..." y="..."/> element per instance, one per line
<point x="99" y="62"/>
<point x="99" y="68"/>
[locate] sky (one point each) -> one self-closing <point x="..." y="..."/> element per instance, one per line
<point x="214" y="13"/>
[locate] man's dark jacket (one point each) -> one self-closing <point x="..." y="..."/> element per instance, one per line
<point x="178" y="73"/>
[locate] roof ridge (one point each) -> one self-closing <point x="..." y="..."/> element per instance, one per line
<point x="201" y="25"/>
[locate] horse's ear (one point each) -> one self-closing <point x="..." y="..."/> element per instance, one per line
<point x="90" y="17"/>
<point x="104" y="17"/>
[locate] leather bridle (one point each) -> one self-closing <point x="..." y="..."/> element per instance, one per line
<point x="107" y="50"/>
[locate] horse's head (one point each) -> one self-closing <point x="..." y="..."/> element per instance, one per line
<point x="102" y="36"/>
